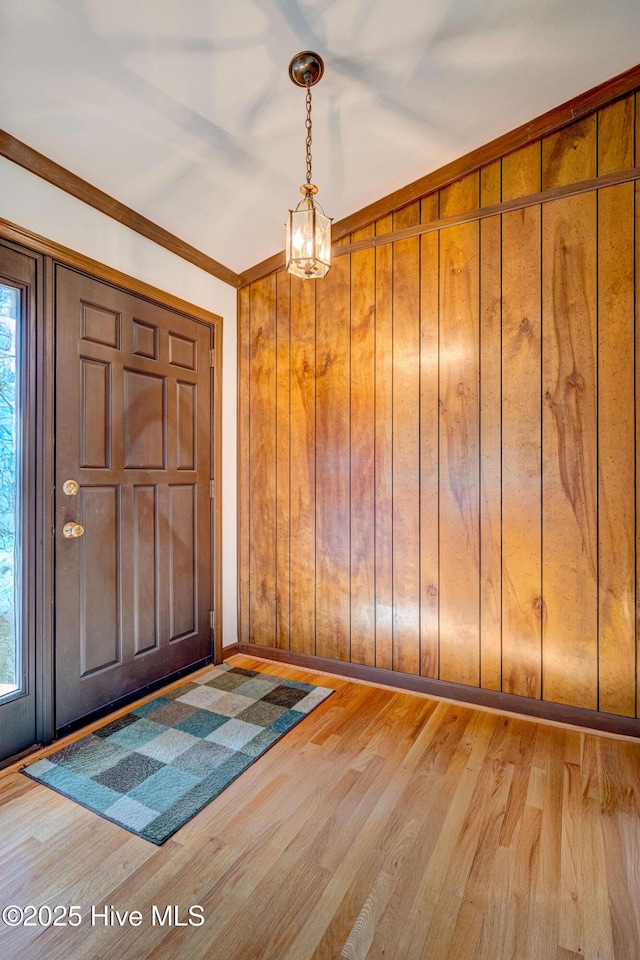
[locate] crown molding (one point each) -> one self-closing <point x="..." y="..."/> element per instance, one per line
<point x="28" y="158"/>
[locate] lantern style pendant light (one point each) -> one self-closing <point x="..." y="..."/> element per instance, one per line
<point x="308" y="248"/>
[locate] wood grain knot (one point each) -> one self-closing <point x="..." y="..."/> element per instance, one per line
<point x="537" y="605"/>
<point x="575" y="380"/>
<point x="328" y="363"/>
<point x="461" y="388"/>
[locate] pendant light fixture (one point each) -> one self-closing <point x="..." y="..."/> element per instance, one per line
<point x="308" y="248"/>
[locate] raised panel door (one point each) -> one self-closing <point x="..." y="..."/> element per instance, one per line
<point x="133" y="429"/>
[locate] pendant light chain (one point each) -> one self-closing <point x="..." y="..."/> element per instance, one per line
<point x="308" y="126"/>
<point x="308" y="239"/>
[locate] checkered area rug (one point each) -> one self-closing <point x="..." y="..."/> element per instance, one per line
<point x="153" y="769"/>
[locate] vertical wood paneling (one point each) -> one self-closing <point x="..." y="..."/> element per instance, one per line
<point x="283" y="479"/>
<point x="616" y="415"/>
<point x="406" y="446"/>
<point x="569" y="423"/>
<point x="262" y="516"/>
<point x="383" y="449"/>
<point x="363" y="385"/>
<point x="521" y="431"/>
<point x="616" y="129"/>
<point x="518" y="177"/>
<point x="569" y="452"/>
<point x="303" y="475"/>
<point x="570" y="155"/>
<point x="459" y="439"/>
<point x="637" y="445"/>
<point x="438" y="443"/>
<point x="616" y="448"/>
<point x="429" y="541"/>
<point x="333" y="463"/>
<point x="637" y="398"/>
<point x="490" y="435"/>
<point x="244" y="486"/>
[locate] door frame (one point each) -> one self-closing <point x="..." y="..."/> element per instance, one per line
<point x="42" y="484"/>
<point x="26" y="699"/>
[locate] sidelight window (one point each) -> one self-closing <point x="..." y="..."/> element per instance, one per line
<point x="10" y="667"/>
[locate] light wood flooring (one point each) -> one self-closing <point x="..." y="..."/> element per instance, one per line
<point x="386" y="825"/>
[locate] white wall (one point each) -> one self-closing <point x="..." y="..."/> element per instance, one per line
<point x="36" y="205"/>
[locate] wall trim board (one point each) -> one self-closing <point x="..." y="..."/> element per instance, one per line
<point x="560" y="713"/>
<point x="495" y="209"/>
<point x="547" y="123"/>
<point x="630" y="175"/>
<point x="11" y="231"/>
<point x="271" y="264"/>
<point x="239" y="399"/>
<point x="218" y="499"/>
<point x="25" y="156"/>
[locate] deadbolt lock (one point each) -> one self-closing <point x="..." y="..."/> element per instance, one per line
<point x="70" y="487"/>
<point x="71" y="530"/>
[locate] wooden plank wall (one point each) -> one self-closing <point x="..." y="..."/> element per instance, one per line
<point x="438" y="442"/>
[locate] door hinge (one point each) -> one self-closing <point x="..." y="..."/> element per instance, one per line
<point x="212" y="491"/>
<point x="212" y="357"/>
<point x="211" y="620"/>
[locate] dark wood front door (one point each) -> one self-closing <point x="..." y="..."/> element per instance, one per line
<point x="133" y="430"/>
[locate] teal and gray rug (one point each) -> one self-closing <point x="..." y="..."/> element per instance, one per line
<point x="153" y="769"/>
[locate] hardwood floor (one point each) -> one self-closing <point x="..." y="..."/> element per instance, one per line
<point x="386" y="825"/>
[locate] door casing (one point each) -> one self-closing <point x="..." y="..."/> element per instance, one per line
<point x="48" y="254"/>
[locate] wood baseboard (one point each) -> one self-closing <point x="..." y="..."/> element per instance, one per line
<point x="231" y="650"/>
<point x="561" y="713"/>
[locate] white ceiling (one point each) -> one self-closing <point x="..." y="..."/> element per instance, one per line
<point x="184" y="111"/>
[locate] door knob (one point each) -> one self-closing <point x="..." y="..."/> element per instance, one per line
<point x="70" y="487"/>
<point x="71" y="530"/>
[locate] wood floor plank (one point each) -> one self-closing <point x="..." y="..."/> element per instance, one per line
<point x="525" y="855"/>
<point x="549" y="756"/>
<point x="386" y="825"/>
<point x="472" y="865"/>
<point x="423" y="908"/>
<point x="391" y="783"/>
